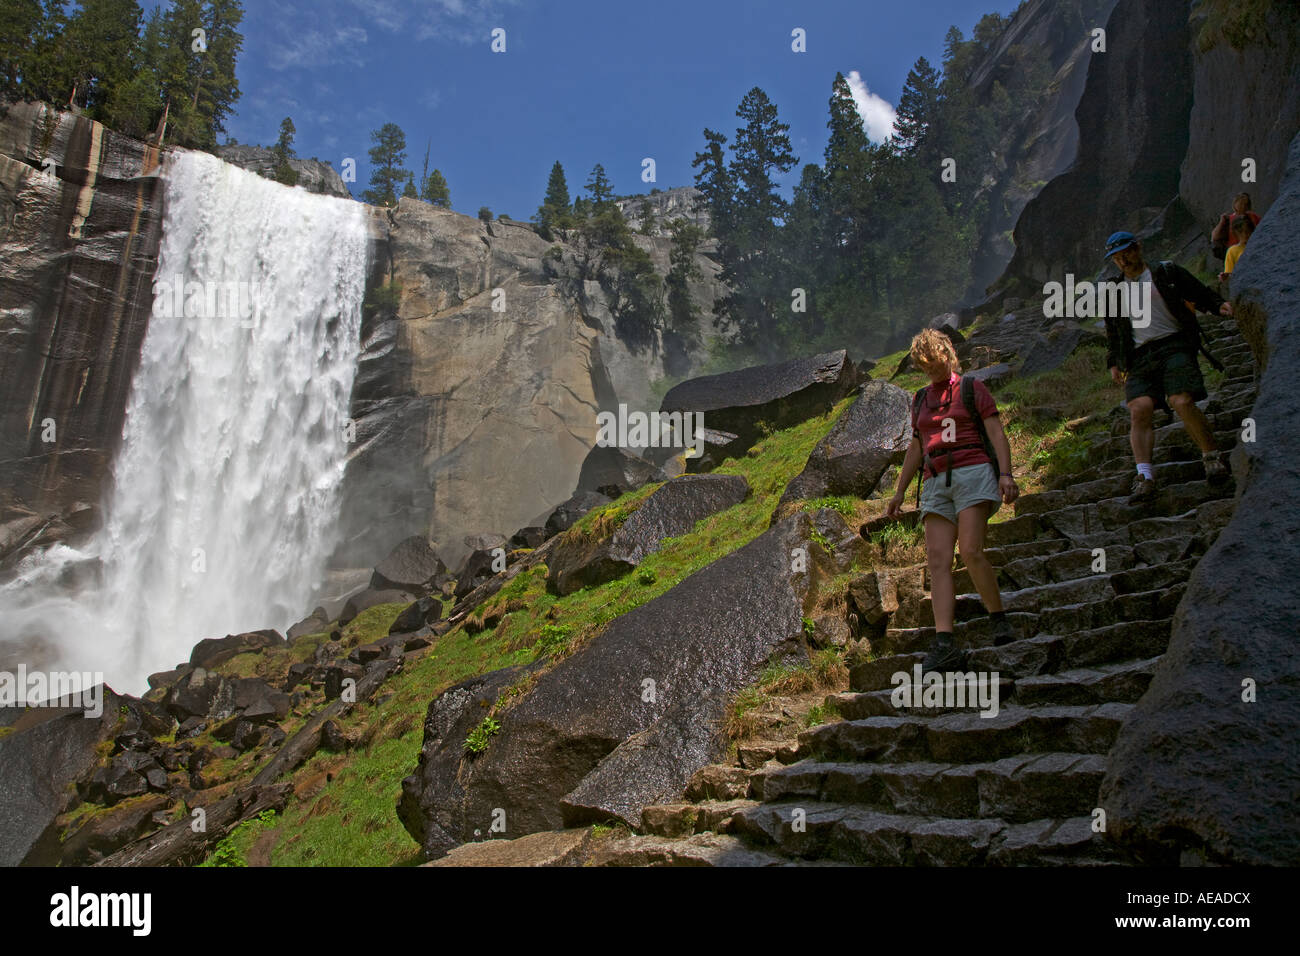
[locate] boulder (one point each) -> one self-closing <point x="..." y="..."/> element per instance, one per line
<point x="992" y="375"/>
<point x="102" y="833"/>
<point x="215" y="651"/>
<point x="734" y="404"/>
<point x="626" y="720"/>
<point x="43" y="758"/>
<point x="872" y="434"/>
<point x="124" y="776"/>
<point x="193" y="694"/>
<point x="411" y="566"/>
<point x="257" y="701"/>
<point x="612" y="471"/>
<point x="427" y="610"/>
<point x="530" y="537"/>
<point x="1207" y="760"/>
<point x="371" y="597"/>
<point x="314" y="623"/>
<point x="479" y="566"/>
<point x="1047" y="353"/>
<point x="673" y="509"/>
<point x="567" y="514"/>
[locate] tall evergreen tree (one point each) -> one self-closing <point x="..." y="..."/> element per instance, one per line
<point x="283" y="151"/>
<point x="386" y="158"/>
<point x="436" y="190"/>
<point x="135" y="106"/>
<point x="554" y="212"/>
<point x="599" y="188"/>
<point x="97" y="44"/>
<point x="761" y="147"/>
<point x="917" y="106"/>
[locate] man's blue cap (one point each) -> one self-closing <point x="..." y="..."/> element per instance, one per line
<point x="1119" y="241"/>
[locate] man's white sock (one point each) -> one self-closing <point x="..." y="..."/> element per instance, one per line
<point x="1144" y="469"/>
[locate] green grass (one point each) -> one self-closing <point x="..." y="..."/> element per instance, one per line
<point x="842" y="503"/>
<point x="233" y="850"/>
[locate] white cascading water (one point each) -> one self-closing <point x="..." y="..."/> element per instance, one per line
<point x="224" y="498"/>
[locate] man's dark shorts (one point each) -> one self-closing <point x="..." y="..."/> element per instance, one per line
<point x="1165" y="368"/>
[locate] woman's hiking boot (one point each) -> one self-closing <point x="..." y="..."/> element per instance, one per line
<point x="1143" y="489"/>
<point x="944" y="654"/>
<point x="1216" y="472"/>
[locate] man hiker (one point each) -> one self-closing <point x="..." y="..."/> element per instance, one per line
<point x="1156" y="358"/>
<point x="956" y="435"/>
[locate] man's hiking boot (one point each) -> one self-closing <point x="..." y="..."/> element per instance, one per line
<point x="943" y="655"/>
<point x="1143" y="489"/>
<point x="1216" y="472"/>
<point x="1003" y="632"/>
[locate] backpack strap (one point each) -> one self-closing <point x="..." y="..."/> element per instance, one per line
<point x="968" y="399"/>
<point x="916" y="412"/>
<point x="1161" y="275"/>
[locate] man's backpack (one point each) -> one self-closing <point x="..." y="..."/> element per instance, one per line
<point x="1162" y="276"/>
<point x="967" y="399"/>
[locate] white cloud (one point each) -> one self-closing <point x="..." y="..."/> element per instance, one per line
<point x="876" y="112"/>
<point x="317" y="48"/>
<point x="464" y="21"/>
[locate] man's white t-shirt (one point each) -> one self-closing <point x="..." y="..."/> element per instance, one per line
<point x="1162" y="320"/>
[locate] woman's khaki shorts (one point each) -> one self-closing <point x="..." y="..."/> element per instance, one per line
<point x="970" y="485"/>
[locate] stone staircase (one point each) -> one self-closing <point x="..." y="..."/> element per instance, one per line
<point x="949" y="786"/>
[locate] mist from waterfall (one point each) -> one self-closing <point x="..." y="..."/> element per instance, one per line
<point x="222" y="507"/>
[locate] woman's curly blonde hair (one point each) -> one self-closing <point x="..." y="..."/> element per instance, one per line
<point x="932" y="347"/>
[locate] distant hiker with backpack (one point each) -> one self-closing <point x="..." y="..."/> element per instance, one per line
<point x="1156" y="358"/>
<point x="958" y="439"/>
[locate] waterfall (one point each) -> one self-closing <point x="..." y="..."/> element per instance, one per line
<point x="223" y="502"/>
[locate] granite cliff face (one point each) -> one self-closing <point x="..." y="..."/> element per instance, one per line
<point x="1044" y="140"/>
<point x="79" y="233"/>
<point x="1240" y="110"/>
<point x="1164" y="125"/>
<point x="481" y="379"/>
<point x="314" y="175"/>
<point x="667" y="204"/>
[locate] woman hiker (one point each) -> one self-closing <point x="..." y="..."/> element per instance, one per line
<point x="960" y="491"/>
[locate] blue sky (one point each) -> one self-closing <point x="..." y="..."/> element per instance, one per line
<point x="581" y="81"/>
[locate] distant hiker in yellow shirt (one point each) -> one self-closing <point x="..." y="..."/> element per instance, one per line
<point x="1242" y="230"/>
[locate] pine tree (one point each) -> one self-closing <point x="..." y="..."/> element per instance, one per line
<point x="714" y="183"/>
<point x="682" y="267"/>
<point x="917" y="106"/>
<point x="409" y="191"/>
<point x="21" y="24"/>
<point x="646" y="213"/>
<point x="283" y="150"/>
<point x="599" y="188"/>
<point x="554" y="212"/>
<point x="97" y="45"/>
<point x="32" y="61"/>
<point x="386" y="158"/>
<point x="761" y="147"/>
<point x="436" y="191"/>
<point x="135" y="106"/>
